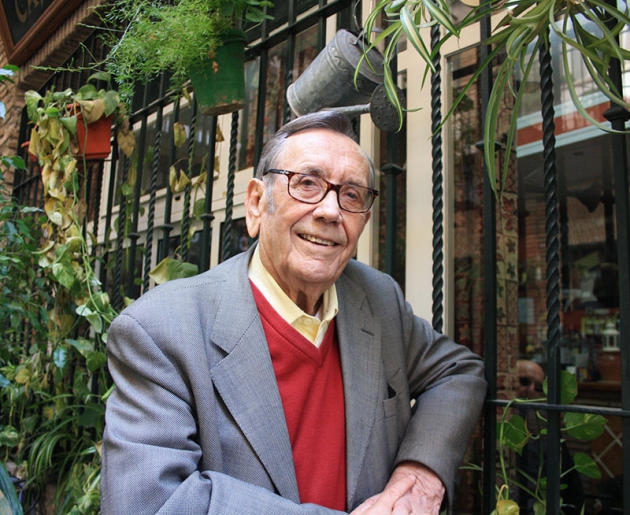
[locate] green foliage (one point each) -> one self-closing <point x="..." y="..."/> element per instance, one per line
<point x="162" y="36"/>
<point x="590" y="27"/>
<point x="513" y="434"/>
<point x="55" y="319"/>
<point x="54" y="135"/>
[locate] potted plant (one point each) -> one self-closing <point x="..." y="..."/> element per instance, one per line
<point x="69" y="125"/>
<point x="200" y="40"/>
<point x="588" y="26"/>
<point x="515" y="434"/>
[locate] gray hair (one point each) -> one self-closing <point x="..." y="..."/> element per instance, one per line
<point x="329" y="120"/>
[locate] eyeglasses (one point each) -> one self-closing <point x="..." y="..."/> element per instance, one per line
<point x="312" y="189"/>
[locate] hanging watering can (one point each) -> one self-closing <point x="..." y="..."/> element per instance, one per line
<point x="329" y="79"/>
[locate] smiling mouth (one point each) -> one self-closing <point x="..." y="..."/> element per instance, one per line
<point x="319" y="241"/>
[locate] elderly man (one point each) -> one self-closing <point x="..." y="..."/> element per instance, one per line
<point x="290" y="379"/>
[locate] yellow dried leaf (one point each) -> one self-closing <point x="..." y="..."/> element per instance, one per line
<point x="179" y="134"/>
<point x="93" y="110"/>
<point x="126" y="142"/>
<point x="80" y="210"/>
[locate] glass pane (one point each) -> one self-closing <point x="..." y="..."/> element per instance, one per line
<point x="587" y="251"/>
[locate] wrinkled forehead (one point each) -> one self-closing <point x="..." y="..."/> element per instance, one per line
<point x="327" y="151"/>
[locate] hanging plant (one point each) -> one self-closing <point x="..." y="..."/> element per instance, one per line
<point x="590" y="27"/>
<point x="153" y="36"/>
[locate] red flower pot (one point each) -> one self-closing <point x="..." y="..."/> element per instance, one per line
<point x="98" y="143"/>
<point x="32" y="157"/>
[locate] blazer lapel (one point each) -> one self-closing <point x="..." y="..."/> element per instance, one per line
<point x="359" y="343"/>
<point x="246" y="381"/>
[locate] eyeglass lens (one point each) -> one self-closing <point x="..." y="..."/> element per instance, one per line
<point x="312" y="189"/>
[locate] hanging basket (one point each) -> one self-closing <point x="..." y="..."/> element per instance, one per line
<point x="98" y="143"/>
<point x="219" y="81"/>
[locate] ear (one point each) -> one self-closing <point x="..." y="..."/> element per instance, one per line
<point x="254" y="205"/>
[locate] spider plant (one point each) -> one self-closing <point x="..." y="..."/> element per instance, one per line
<point x="590" y="27"/>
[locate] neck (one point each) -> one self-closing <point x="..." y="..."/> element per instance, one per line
<point x="309" y="305"/>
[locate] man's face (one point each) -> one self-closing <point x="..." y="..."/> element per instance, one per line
<point x="305" y="247"/>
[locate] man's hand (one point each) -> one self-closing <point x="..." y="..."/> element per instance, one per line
<point x="413" y="489"/>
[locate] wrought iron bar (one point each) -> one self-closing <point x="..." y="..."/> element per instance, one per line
<point x="489" y="288"/>
<point x="618" y="116"/>
<point x="111" y="194"/>
<point x="207" y="217"/>
<point x="324" y="11"/>
<point x="134" y="235"/>
<point x="155" y="168"/>
<point x="184" y="237"/>
<point x="288" y="72"/>
<point x="120" y="237"/>
<point x="438" y="188"/>
<point x="391" y="171"/>
<point x="97" y="203"/>
<point x="260" y="107"/>
<point x="229" y="198"/>
<point x="553" y="278"/>
<point x="572" y="408"/>
<point x="167" y="226"/>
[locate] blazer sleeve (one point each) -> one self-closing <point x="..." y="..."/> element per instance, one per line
<point x="447" y="382"/>
<point x="151" y="455"/>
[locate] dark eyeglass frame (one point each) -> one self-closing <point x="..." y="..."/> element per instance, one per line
<point x="329" y="186"/>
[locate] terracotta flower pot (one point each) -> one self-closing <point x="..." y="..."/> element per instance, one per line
<point x="31" y="156"/>
<point x="98" y="144"/>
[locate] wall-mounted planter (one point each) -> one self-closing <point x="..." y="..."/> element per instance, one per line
<point x="219" y="82"/>
<point x="98" y="143"/>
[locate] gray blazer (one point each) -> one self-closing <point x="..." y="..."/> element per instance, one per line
<point x="196" y="425"/>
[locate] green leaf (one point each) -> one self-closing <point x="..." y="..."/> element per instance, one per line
<point x="69" y="123"/>
<point x="413" y="35"/>
<point x="568" y="387"/>
<point x="540" y="508"/>
<point x="87" y="92"/>
<point x="64" y="273"/>
<point x="91" y="414"/>
<point x="96" y="360"/>
<point x="584" y="426"/>
<point x="584" y="464"/>
<point x="96" y="322"/>
<point x="82" y="345"/>
<point x="60" y="357"/>
<point x="442" y="17"/>
<point x="169" y="269"/>
<point x="4" y="382"/>
<point x="513" y="433"/>
<point x="9" y="436"/>
<point x="9" y="501"/>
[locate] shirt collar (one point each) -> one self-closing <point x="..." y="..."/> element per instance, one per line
<point x="281" y="302"/>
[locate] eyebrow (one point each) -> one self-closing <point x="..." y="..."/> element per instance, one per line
<point x="319" y="173"/>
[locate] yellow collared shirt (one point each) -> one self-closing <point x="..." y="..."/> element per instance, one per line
<point x="311" y="327"/>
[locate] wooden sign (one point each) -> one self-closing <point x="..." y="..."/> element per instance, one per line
<point x="25" y="25"/>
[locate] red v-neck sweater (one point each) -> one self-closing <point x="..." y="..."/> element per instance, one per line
<point x="311" y="389"/>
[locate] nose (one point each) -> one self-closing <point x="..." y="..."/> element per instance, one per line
<point x="328" y="207"/>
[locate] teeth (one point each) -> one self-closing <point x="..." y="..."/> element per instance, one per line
<point x="317" y="240"/>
